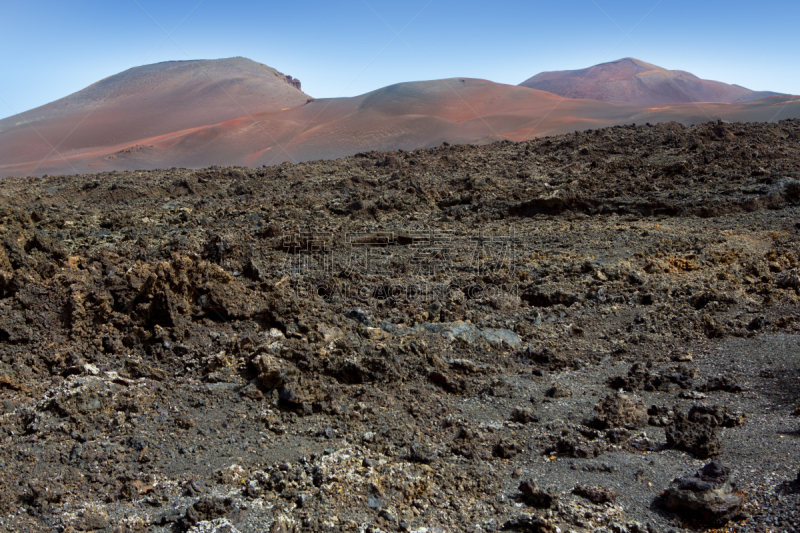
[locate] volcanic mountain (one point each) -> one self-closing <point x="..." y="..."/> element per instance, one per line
<point x="238" y="112"/>
<point x="145" y="102"/>
<point x="636" y="82"/>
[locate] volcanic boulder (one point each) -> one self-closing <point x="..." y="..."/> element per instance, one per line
<point x="619" y="411"/>
<point x="693" y="435"/>
<point x="707" y="495"/>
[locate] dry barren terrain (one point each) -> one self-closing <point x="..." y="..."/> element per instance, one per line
<point x="597" y="331"/>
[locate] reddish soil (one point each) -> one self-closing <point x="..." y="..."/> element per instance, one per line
<point x="236" y="112"/>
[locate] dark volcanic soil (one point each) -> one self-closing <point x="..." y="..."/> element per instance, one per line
<point x="526" y="337"/>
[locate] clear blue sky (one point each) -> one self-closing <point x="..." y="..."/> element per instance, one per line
<point x="49" y="49"/>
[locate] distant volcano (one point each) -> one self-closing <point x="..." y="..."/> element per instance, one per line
<point x="238" y="112"/>
<point x="148" y="101"/>
<point x="635" y="82"/>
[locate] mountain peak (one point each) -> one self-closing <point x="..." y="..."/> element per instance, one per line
<point x="152" y="100"/>
<point x="638" y="63"/>
<point x="198" y="70"/>
<point x="634" y="81"/>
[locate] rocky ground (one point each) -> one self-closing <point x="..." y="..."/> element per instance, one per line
<point x="591" y="332"/>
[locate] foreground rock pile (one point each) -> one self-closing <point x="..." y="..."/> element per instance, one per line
<point x="543" y="336"/>
<point x="707" y="496"/>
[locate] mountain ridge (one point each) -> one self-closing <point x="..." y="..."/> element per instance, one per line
<point x="634" y="81"/>
<point x="238" y="112"/>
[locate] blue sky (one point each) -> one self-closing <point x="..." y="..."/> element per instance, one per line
<point x="50" y="49"/>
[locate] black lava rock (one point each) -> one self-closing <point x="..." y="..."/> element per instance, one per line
<point x="708" y="495"/>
